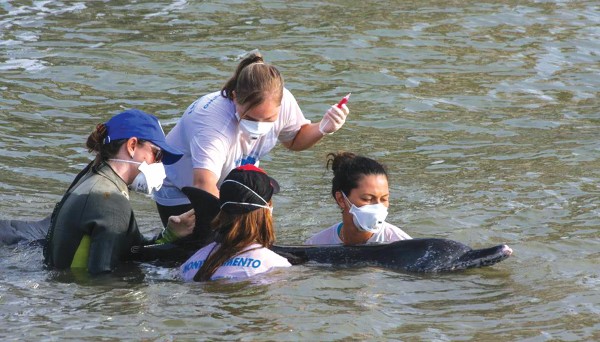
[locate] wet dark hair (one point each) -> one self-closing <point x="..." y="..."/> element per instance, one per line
<point x="253" y="81"/>
<point x="349" y="168"/>
<point x="95" y="143"/>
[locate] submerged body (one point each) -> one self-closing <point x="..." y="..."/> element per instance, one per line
<point x="95" y="218"/>
<point x="416" y="255"/>
<point x="13" y="232"/>
<point x="412" y="255"/>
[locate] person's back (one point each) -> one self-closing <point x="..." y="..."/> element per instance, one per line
<point x="243" y="230"/>
<point x="254" y="259"/>
<point x="97" y="206"/>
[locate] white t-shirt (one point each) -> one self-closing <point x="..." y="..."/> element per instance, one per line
<point x="244" y="265"/>
<point x="208" y="134"/>
<point x="330" y="236"/>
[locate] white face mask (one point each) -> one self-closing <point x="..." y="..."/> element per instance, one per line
<point x="266" y="206"/>
<point x="149" y="179"/>
<point x="255" y="129"/>
<point x="368" y="218"/>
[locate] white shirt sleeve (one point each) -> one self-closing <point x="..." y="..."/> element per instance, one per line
<point x="397" y="234"/>
<point x="209" y="150"/>
<point x="293" y="118"/>
<point x="389" y="233"/>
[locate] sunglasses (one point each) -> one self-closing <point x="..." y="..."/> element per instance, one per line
<point x="156" y="151"/>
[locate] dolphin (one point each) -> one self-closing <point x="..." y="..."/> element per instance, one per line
<point x="16" y="232"/>
<point x="414" y="255"/>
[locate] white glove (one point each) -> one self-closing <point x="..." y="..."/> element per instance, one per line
<point x="182" y="225"/>
<point x="333" y="119"/>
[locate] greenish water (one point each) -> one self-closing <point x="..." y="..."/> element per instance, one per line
<point x="486" y="114"/>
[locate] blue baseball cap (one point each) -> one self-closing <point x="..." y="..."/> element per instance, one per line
<point x="136" y="123"/>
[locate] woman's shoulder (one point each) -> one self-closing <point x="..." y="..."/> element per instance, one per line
<point x="107" y="183"/>
<point x="265" y="256"/>
<point x="288" y="100"/>
<point x="287" y="94"/>
<point x="211" y="115"/>
<point x="101" y="181"/>
<point x="395" y="232"/>
<point x="210" y="102"/>
<point x="99" y="195"/>
<point x="202" y="253"/>
<point x="326" y="236"/>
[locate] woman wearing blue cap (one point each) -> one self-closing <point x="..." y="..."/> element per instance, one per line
<point x="243" y="230"/>
<point x="93" y="227"/>
<point x="235" y="126"/>
<point x="360" y="188"/>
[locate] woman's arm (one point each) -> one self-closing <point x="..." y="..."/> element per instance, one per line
<point x="310" y="134"/>
<point x="206" y="180"/>
<point x="307" y="137"/>
<point x="112" y="228"/>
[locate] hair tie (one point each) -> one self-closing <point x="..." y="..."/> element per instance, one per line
<point x="103" y="133"/>
<point x="101" y="128"/>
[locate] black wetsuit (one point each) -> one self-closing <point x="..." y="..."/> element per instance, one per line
<point x="97" y="204"/>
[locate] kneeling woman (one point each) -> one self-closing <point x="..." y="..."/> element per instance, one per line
<point x="93" y="226"/>
<point x="360" y="188"/>
<point x="243" y="228"/>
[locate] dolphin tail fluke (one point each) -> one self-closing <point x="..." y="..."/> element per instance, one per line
<point x="15" y="231"/>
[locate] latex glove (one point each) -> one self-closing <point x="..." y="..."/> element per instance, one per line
<point x="182" y="225"/>
<point x="333" y="119"/>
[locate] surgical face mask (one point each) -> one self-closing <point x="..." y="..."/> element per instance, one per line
<point x="251" y="205"/>
<point x="149" y="179"/>
<point x="266" y="206"/>
<point x="368" y="218"/>
<point x="255" y="129"/>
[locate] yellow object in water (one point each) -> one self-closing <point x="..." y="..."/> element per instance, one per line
<point x="80" y="259"/>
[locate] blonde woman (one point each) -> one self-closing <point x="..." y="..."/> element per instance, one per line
<point x="236" y="126"/>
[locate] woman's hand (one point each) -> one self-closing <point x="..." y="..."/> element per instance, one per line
<point x="182" y="225"/>
<point x="308" y="135"/>
<point x="333" y="119"/>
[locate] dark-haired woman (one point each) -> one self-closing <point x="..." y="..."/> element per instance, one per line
<point x="360" y="188"/>
<point x="93" y="227"/>
<point x="236" y="126"/>
<point x="244" y="230"/>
